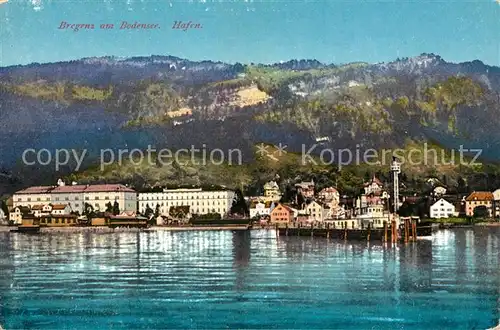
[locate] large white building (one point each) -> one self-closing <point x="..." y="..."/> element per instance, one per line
<point x="442" y="209"/>
<point x="76" y="196"/>
<point x="199" y="201"/>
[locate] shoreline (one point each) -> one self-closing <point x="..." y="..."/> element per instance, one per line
<point x="193" y="228"/>
<point x="115" y="230"/>
<point x="197" y="228"/>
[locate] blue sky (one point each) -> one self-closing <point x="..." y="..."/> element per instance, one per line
<point x="253" y="31"/>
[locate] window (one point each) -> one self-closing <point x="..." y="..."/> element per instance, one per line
<point x="38" y="199"/>
<point x="87" y="198"/>
<point x="67" y="198"/>
<point x="29" y="199"/>
<point x="106" y="198"/>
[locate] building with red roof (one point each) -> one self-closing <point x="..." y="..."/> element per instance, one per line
<point x="76" y="196"/>
<point x="282" y="214"/>
<point x="479" y="198"/>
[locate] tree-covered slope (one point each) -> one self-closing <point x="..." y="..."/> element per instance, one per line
<point x="167" y="101"/>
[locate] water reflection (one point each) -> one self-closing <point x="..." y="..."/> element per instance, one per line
<point x="247" y="280"/>
<point x="241" y="257"/>
<point x="241" y="248"/>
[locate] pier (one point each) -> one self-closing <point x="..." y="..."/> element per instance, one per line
<point x="407" y="231"/>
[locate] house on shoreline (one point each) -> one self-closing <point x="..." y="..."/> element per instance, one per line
<point x="442" y="209"/>
<point x="479" y="198"/>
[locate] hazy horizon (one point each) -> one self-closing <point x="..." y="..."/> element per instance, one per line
<point x="252" y="31"/>
<point x="243" y="63"/>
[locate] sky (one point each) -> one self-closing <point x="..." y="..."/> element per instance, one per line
<point x="335" y="31"/>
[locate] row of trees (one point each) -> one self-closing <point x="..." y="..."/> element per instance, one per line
<point x="90" y="212"/>
<point x="239" y="207"/>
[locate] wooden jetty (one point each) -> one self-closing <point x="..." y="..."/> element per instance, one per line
<point x="407" y="231"/>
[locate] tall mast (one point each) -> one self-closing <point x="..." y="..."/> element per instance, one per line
<point x="395" y="169"/>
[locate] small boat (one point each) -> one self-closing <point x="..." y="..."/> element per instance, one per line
<point x="26" y="229"/>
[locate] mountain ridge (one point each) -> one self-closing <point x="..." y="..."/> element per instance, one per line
<point x="108" y="101"/>
<point x="308" y="61"/>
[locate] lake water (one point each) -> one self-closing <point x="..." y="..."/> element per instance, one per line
<point x="224" y="279"/>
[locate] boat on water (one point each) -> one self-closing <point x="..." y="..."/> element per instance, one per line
<point x="29" y="225"/>
<point x="26" y="229"/>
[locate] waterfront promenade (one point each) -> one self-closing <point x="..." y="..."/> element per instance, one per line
<point x="124" y="229"/>
<point x="190" y="228"/>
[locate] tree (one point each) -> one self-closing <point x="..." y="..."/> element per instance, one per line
<point x="288" y="195"/>
<point x="445" y="180"/>
<point x="239" y="204"/>
<point x="4" y="207"/>
<point x="109" y="208"/>
<point x="179" y="212"/>
<point x="462" y="185"/>
<point x="148" y="212"/>
<point x="157" y="211"/>
<point x="300" y="200"/>
<point x="407" y="209"/>
<point x="207" y="216"/>
<point x="367" y="177"/>
<point x="481" y="211"/>
<point x="88" y="211"/>
<point x="116" y="208"/>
